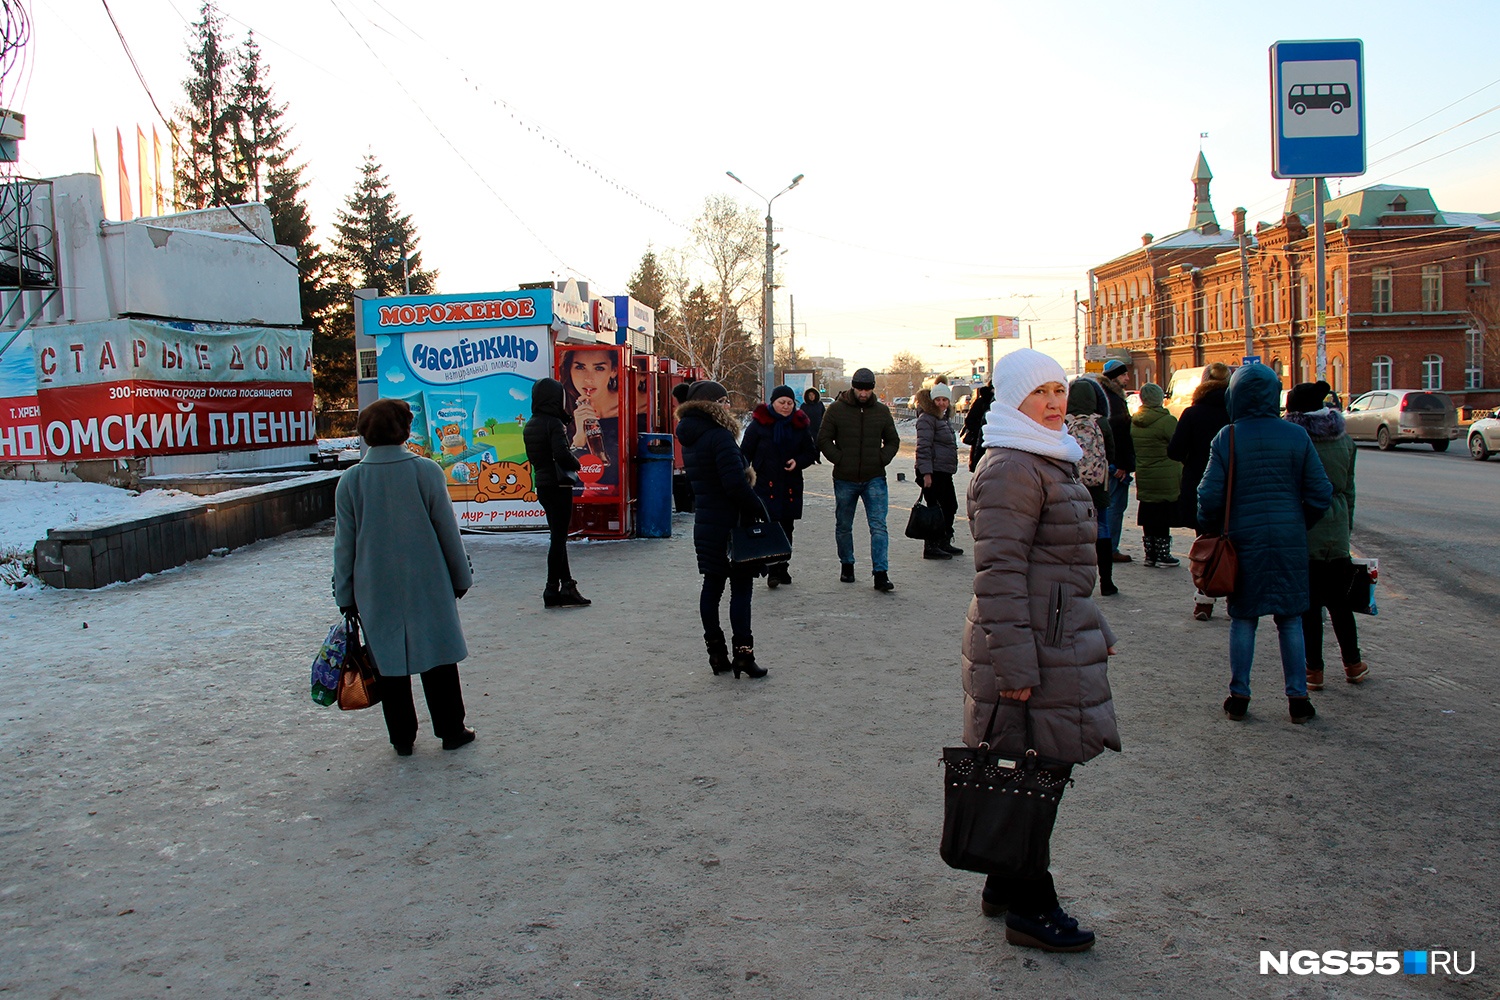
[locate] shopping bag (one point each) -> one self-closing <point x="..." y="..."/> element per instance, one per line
<point x="359" y="681"/>
<point x="327" y="666"/>
<point x="1362" y="586"/>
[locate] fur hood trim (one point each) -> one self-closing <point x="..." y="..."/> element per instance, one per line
<point x="923" y="402"/>
<point x="1321" y="425"/>
<point x="1205" y="389"/>
<point x="712" y="412"/>
<point x="765" y="416"/>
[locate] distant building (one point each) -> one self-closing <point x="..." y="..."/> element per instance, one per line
<point x="1408" y="296"/>
<point x="830" y="371"/>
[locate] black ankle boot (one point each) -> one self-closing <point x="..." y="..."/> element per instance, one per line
<point x="718" y="652"/>
<point x="550" y="595"/>
<point x="846" y="573"/>
<point x="1104" y="552"/>
<point x="744" y="658"/>
<point x="569" y="597"/>
<point x="947" y="546"/>
<point x="935" y="550"/>
<point x="883" y="583"/>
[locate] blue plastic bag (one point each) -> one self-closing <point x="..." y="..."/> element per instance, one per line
<point x="328" y="665"/>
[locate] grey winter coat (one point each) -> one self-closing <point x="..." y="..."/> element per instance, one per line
<point x="1032" y="623"/>
<point x="937" y="444"/>
<point x="398" y="557"/>
<point x="1329" y="538"/>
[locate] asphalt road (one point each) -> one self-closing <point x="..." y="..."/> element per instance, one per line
<point x="1432" y="518"/>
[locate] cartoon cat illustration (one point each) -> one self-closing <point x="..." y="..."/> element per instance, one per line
<point x="504" y="481"/>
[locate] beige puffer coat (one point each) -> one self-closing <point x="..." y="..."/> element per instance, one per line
<point x="1032" y="622"/>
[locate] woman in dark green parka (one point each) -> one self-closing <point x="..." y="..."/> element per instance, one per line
<point x="1158" y="479"/>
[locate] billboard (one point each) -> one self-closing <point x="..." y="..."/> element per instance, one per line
<point x="465" y="364"/>
<point x="130" y="388"/>
<point x="20" y="411"/>
<point x="986" y="327"/>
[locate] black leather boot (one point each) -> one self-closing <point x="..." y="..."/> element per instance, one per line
<point x="1106" y="555"/>
<point x="718" y="652"/>
<point x="744" y="658"/>
<point x="550" y="595"/>
<point x="947" y="546"/>
<point x="569" y="597"/>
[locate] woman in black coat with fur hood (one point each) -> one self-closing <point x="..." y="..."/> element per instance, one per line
<point x="722" y="497"/>
<point x="779" y="444"/>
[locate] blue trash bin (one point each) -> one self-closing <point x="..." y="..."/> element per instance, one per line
<point x="654" y="495"/>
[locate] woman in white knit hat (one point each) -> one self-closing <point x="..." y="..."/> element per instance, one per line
<point x="1035" y="643"/>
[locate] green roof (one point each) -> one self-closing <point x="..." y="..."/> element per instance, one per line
<point x="1364" y="208"/>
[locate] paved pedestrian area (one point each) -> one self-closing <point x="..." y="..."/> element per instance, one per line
<point x="178" y="818"/>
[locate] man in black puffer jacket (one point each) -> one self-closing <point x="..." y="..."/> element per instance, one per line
<point x="859" y="437"/>
<point x="722" y="497"/>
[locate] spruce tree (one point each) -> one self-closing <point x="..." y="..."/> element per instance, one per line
<point x="259" y="135"/>
<point x="207" y="168"/>
<point x="372" y="235"/>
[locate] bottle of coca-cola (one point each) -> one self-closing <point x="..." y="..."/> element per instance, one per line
<point x="593" y="434"/>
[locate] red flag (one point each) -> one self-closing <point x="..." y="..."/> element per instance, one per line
<point x="126" y="211"/>
<point x="143" y="165"/>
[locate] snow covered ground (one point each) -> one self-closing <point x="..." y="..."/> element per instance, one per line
<point x="32" y="508"/>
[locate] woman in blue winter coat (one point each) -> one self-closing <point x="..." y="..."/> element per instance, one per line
<point x="1279" y="490"/>
<point x="778" y="443"/>
<point x="722" y="497"/>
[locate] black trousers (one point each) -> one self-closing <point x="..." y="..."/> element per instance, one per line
<point x="1328" y="583"/>
<point x="1032" y="893"/>
<point x="940" y="495"/>
<point x="741" y="588"/>
<point x="445" y="703"/>
<point x="557" y="501"/>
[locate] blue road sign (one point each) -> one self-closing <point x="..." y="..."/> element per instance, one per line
<point x="1250" y="359"/>
<point x="1318" y="108"/>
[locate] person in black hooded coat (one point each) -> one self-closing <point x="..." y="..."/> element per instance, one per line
<point x="546" y="439"/>
<point x="722" y="498"/>
<point x="812" y="406"/>
<point x="1190" y="445"/>
<point x="779" y="444"/>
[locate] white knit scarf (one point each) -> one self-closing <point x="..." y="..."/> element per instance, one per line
<point x="1007" y="427"/>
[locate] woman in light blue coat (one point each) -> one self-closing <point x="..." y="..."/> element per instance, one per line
<point x="399" y="561"/>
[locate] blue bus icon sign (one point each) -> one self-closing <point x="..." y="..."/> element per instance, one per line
<point x="1317" y="109"/>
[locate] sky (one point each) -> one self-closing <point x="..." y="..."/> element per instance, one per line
<point x="960" y="158"/>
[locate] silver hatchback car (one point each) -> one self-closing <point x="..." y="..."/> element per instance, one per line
<point x="1397" y="416"/>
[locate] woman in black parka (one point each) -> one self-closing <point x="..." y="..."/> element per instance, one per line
<point x="546" y="439"/>
<point x="722" y="497"/>
<point x="812" y="405"/>
<point x="779" y="445"/>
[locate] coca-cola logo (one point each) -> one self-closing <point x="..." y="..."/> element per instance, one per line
<point x="590" y="468"/>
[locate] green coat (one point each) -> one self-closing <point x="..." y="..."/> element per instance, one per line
<point x="1157" y="477"/>
<point x="860" y="440"/>
<point x="398" y="557"/>
<point x="1329" y="537"/>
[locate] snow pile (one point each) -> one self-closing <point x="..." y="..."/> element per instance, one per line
<point x="338" y="444"/>
<point x="32" y="508"/>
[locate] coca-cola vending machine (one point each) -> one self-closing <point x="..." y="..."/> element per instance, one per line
<point x="599" y="399"/>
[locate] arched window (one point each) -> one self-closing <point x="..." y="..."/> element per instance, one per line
<point x="1474" y="358"/>
<point x="1275" y="300"/>
<point x="1336" y="374"/>
<point x="1338" y="291"/>
<point x="1218" y="310"/>
<point x="1380" y="373"/>
<point x="1234" y="308"/>
<point x="1276" y="366"/>
<point x="1302" y="370"/>
<point x="1304" y="299"/>
<point x="1432" y="371"/>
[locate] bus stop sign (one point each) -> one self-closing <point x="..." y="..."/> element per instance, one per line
<point x="1318" y="108"/>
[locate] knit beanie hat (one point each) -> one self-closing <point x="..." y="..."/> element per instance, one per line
<point x="863" y="379"/>
<point x="941" y="391"/>
<point x="1307" y="397"/>
<point x="783" y="390"/>
<point x="680" y="391"/>
<point x="707" y="391"/>
<point x="1020" y="372"/>
<point x="1152" y="394"/>
<point x="1114" y="368"/>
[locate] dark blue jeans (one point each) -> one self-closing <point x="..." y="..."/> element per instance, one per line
<point x="1293" y="654"/>
<point x="1119" y="499"/>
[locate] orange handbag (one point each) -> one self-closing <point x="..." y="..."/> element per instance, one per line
<point x="1215" y="564"/>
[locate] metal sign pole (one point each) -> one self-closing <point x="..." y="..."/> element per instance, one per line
<point x="1322" y="301"/>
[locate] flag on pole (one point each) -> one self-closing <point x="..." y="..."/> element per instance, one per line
<point x="176" y="196"/>
<point x="126" y="211"/>
<point x="98" y="164"/>
<point x="162" y="205"/>
<point x="148" y="188"/>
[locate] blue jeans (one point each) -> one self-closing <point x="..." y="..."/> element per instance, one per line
<point x="1119" y="499"/>
<point x="1242" y="654"/>
<point x="877" y="502"/>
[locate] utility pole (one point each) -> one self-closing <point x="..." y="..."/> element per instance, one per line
<point x="1029" y="344"/>
<point x="1077" y="348"/>
<point x="768" y="345"/>
<point x="1318" y="252"/>
<point x="1244" y="237"/>
<point x="791" y="335"/>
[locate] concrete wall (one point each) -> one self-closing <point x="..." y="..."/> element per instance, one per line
<point x="87" y="556"/>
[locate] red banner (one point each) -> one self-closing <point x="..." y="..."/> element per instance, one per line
<point x="20" y="428"/>
<point x="135" y="418"/>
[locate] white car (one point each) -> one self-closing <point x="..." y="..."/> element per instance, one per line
<point x="1484" y="436"/>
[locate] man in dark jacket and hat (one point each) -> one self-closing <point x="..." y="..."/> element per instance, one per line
<point x="1116" y="382"/>
<point x="859" y="437"/>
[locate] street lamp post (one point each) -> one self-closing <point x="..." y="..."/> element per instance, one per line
<point x="768" y="340"/>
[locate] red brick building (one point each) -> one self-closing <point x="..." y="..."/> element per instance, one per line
<point x="1408" y="294"/>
